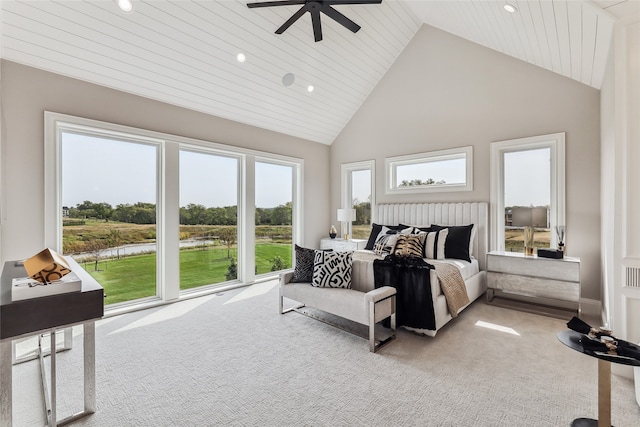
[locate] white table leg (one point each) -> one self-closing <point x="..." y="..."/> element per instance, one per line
<point x="53" y="422"/>
<point x="6" y="409"/>
<point x="89" y="330"/>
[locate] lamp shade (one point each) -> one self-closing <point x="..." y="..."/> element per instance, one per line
<point x="346" y="215"/>
<point x="532" y="217"/>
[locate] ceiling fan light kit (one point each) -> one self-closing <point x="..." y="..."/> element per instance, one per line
<point x="315" y="8"/>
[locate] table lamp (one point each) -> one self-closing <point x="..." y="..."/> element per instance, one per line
<point x="346" y="216"/>
<point x="529" y="218"/>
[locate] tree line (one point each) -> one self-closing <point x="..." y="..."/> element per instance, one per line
<point x="192" y="214"/>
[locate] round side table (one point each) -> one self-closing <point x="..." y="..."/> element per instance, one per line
<point x="572" y="339"/>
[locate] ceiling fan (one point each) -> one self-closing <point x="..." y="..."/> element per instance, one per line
<point x="314" y="7"/>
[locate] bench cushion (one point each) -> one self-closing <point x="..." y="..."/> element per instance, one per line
<point x="347" y="303"/>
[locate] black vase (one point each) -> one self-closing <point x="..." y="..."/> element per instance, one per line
<point x="333" y="235"/>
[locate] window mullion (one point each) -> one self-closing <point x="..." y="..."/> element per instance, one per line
<point x="169" y="222"/>
<point x="246" y="220"/>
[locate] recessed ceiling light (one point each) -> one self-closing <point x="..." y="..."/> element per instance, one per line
<point x="125" y="5"/>
<point x="288" y="79"/>
<point x="310" y="88"/>
<point x="241" y="57"/>
<point x="510" y="8"/>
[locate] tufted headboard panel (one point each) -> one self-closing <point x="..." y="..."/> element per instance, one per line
<point x="442" y="214"/>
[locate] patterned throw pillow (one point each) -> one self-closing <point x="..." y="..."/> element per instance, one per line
<point x="385" y="244"/>
<point x="435" y="243"/>
<point x="303" y="271"/>
<point x="410" y="245"/>
<point x="332" y="269"/>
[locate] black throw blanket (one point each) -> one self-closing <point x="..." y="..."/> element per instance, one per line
<point x="410" y="277"/>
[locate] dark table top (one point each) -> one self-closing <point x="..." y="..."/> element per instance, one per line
<point x="38" y="314"/>
<point x="572" y="339"/>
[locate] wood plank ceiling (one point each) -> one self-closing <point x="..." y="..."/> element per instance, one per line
<point x="184" y="52"/>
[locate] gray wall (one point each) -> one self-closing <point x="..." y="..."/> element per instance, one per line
<point x="27" y="92"/>
<point x="444" y="92"/>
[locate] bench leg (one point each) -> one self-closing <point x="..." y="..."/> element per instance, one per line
<point x="281" y="308"/>
<point x="372" y="326"/>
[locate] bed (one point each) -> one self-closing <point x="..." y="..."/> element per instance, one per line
<point x="422" y="216"/>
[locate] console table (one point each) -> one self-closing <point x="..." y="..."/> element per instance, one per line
<point x="44" y="315"/>
<point x="572" y="340"/>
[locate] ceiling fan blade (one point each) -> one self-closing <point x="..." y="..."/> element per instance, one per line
<point x="291" y="20"/>
<point x="340" y="18"/>
<point x="317" y="26"/>
<point x="339" y="2"/>
<point x="275" y="3"/>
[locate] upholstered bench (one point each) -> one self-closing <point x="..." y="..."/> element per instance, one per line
<point x="366" y="307"/>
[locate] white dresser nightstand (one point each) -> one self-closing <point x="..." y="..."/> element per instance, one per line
<point x="548" y="285"/>
<point x="341" y="245"/>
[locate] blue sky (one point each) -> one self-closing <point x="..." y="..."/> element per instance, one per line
<point x="101" y="170"/>
<point x="451" y="171"/>
<point x="527" y="178"/>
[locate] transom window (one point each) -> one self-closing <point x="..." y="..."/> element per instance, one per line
<point x="444" y="170"/>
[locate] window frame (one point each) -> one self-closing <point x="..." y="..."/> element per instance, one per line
<point x="296" y="194"/>
<point x="392" y="164"/>
<point x="346" y="184"/>
<point x="556" y="143"/>
<point x="168" y="217"/>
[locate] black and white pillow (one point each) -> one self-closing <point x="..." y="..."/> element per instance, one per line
<point x="459" y="240"/>
<point x="378" y="230"/>
<point x="385" y="243"/>
<point x="303" y="271"/>
<point x="375" y="233"/>
<point x="332" y="269"/>
<point x="410" y="245"/>
<point x="435" y="244"/>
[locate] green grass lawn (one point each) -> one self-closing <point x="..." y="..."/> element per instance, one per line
<point x="126" y="279"/>
<point x="134" y="277"/>
<point x="265" y="252"/>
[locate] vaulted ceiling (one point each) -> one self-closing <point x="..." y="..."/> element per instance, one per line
<point x="185" y="52"/>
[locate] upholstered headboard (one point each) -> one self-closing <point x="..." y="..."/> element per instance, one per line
<point x="442" y="214"/>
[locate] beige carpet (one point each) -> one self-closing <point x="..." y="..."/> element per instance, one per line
<point x="233" y="360"/>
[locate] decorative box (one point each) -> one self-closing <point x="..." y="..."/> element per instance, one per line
<point x="550" y="253"/>
<point x="46" y="266"/>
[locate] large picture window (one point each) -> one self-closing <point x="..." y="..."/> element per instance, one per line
<point x="208" y="218"/>
<point x="274" y="217"/>
<point x="527" y="173"/>
<point x="436" y="171"/>
<point x="109" y="199"/>
<point x="153" y="216"/>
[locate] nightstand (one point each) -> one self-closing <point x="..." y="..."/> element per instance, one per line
<point x="341" y="245"/>
<point x="544" y="285"/>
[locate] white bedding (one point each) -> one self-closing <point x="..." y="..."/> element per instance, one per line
<point x="467" y="269"/>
